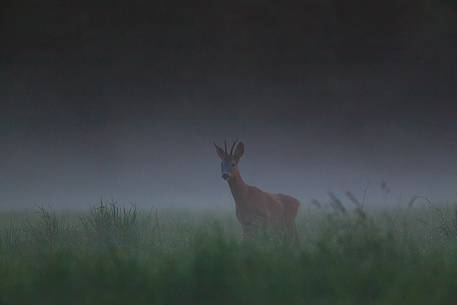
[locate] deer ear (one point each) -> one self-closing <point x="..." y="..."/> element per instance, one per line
<point x="220" y="152"/>
<point x="239" y="150"/>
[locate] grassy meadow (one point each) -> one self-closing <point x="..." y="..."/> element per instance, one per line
<point x="118" y="255"/>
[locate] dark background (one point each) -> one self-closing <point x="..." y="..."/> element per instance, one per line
<point x="122" y="99"/>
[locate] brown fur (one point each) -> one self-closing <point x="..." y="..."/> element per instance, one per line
<point x="257" y="210"/>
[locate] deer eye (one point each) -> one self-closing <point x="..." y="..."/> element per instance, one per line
<point x="233" y="164"/>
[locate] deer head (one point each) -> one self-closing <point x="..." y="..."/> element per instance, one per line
<point x="229" y="159"/>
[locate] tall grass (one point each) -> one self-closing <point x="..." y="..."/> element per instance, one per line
<point x="121" y="255"/>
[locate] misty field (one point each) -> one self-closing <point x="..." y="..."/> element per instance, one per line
<point x="120" y="255"/>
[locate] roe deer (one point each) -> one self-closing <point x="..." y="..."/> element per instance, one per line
<point x="256" y="210"/>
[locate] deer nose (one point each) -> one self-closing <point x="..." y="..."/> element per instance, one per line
<point x="225" y="176"/>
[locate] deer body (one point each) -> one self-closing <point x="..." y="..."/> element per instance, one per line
<point x="257" y="210"/>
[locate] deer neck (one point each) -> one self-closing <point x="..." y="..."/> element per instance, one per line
<point x="237" y="186"/>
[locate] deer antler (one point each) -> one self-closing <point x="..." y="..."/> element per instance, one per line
<point x="225" y="146"/>
<point x="233" y="146"/>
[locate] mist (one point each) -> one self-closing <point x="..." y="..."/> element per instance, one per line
<point x="98" y="104"/>
<point x="168" y="164"/>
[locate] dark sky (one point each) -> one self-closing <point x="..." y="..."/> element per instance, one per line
<point x="122" y="99"/>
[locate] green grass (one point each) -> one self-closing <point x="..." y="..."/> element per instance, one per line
<point x="118" y="255"/>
